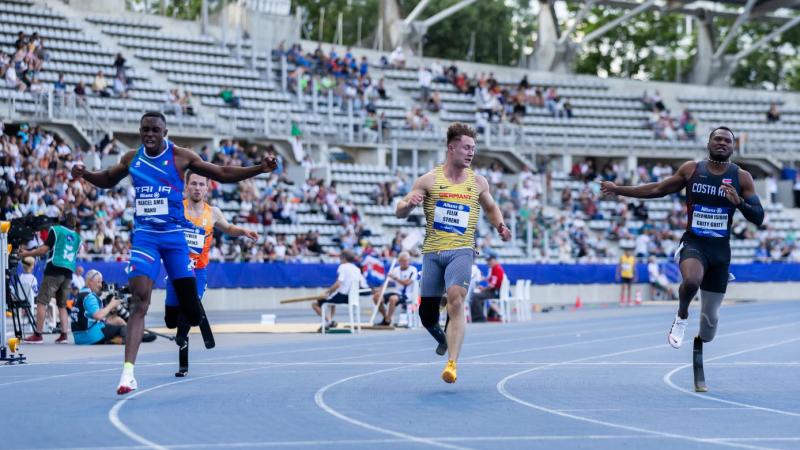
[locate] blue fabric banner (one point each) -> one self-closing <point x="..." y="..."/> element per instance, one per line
<point x="282" y="275"/>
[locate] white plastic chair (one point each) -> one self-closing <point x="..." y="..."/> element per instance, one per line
<point x="504" y="301"/>
<point x="507" y="302"/>
<point x="412" y="305"/>
<point x="527" y="300"/>
<point x="353" y="309"/>
<point x="467" y="299"/>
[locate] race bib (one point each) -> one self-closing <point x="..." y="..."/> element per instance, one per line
<point x="710" y="221"/>
<point x="152" y="206"/>
<point x="195" y="240"/>
<point x="451" y="217"/>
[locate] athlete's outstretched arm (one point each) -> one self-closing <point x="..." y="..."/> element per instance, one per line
<point x="749" y="203"/>
<point x="667" y="186"/>
<point x="415" y="197"/>
<point x="223" y="174"/>
<point x="107" y="178"/>
<point x="493" y="212"/>
<point x="222" y="224"/>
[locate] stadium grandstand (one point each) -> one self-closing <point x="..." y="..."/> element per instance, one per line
<point x="361" y="125"/>
<point x="346" y="121"/>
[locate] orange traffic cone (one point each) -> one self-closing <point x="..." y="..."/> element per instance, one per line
<point x="638" y="297"/>
<point x="578" y="302"/>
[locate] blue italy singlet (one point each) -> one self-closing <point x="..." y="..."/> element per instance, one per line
<point x="159" y="191"/>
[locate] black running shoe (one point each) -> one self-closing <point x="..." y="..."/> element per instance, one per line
<point x="441" y="349"/>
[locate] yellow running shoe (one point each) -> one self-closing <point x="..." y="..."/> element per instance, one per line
<point x="449" y="372"/>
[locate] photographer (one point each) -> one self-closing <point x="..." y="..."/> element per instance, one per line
<point x="93" y="323"/>
<point x="61" y="246"/>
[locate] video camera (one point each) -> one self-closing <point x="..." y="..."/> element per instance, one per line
<point x="121" y="292"/>
<point x="23" y="230"/>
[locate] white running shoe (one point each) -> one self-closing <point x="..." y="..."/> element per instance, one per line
<point x="127" y="382"/>
<point x="676" y="332"/>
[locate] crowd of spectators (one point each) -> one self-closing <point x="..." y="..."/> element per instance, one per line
<point x="35" y="180"/>
<point x="20" y="69"/>
<point x="662" y="123"/>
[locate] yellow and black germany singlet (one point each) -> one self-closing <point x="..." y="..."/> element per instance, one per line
<point x="451" y="213"/>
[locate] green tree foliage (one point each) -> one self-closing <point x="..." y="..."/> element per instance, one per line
<point x="499" y="26"/>
<point x="351" y="10"/>
<point x="643" y="47"/>
<point x="774" y="66"/>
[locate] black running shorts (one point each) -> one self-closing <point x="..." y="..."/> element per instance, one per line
<point x="714" y="256"/>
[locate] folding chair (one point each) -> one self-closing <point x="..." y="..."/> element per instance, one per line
<point x="353" y="309"/>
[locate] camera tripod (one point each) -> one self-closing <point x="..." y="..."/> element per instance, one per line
<point x="12" y="301"/>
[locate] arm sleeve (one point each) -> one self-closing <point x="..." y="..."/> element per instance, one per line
<point x="752" y="210"/>
<point x="91" y="305"/>
<point x="51" y="239"/>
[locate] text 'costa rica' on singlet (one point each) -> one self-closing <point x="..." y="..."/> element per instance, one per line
<point x="451" y="213"/>
<point x="158" y="201"/>
<point x="710" y="212"/>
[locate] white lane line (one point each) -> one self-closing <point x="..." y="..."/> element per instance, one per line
<point x="114" y="412"/>
<point x="64" y="375"/>
<point x="319" y="399"/>
<point x="668" y="380"/>
<point x="501" y="388"/>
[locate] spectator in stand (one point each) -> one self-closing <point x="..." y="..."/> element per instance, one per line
<point x="424" y="78"/>
<point x="551" y="100"/>
<point x="60" y="86"/>
<point x="564" y="108"/>
<point x="5" y="61"/>
<point x="434" y="102"/>
<point x="688" y="126"/>
<point x="653" y="101"/>
<point x="12" y="79"/>
<point x="172" y="102"/>
<point x="397" y="59"/>
<point x="229" y="97"/>
<point x="186" y="103"/>
<point x="80" y="92"/>
<point x="773" y="115"/>
<point x="100" y="85"/>
<point x="119" y="66"/>
<point x="121" y="85"/>
<point x="381" y="90"/>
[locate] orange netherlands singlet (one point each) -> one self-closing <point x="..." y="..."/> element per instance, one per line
<point x="199" y="237"/>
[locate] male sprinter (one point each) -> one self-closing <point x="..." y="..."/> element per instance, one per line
<point x="204" y="219"/>
<point x="156" y="170"/>
<point x="452" y="196"/>
<point x="715" y="189"/>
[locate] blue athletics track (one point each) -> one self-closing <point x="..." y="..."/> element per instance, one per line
<point x="600" y="378"/>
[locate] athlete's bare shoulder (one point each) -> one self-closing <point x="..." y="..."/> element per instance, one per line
<point x="687" y="169"/>
<point x="127" y="158"/>
<point x="426" y="180"/>
<point x="482" y="183"/>
<point x="185" y="157"/>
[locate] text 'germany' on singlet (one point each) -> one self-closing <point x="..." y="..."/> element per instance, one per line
<point x="451" y="213"/>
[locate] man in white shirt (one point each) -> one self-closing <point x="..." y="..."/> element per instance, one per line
<point x="403" y="275"/>
<point x="346" y="274"/>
